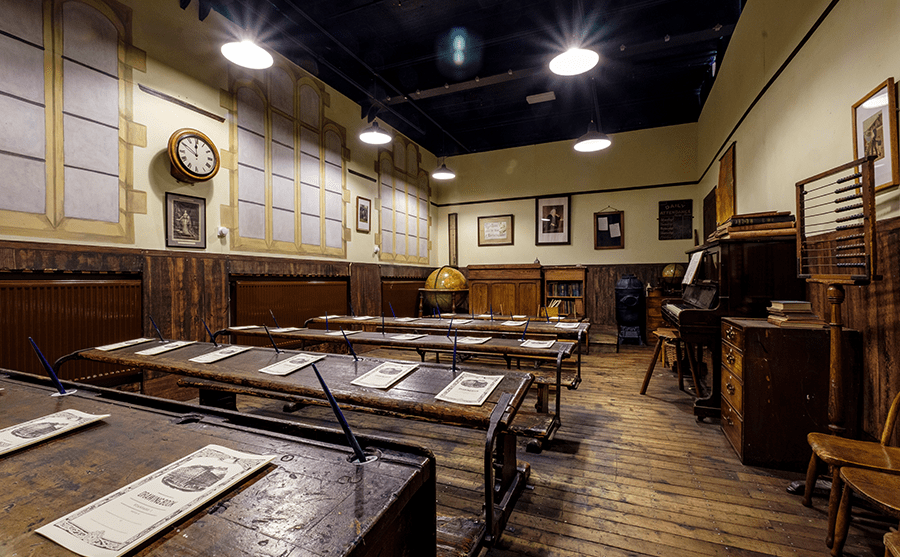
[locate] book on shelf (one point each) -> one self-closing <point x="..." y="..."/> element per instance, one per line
<point x="801" y="324"/>
<point x="760" y="218"/>
<point x="762" y="226"/>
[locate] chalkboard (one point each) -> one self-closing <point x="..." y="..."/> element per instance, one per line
<point x="676" y="219"/>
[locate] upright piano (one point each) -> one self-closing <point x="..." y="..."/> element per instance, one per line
<point x="735" y="278"/>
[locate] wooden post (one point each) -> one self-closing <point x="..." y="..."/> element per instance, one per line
<point x="836" y="375"/>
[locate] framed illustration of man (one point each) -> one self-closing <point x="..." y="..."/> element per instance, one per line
<point x="552" y="220"/>
<point x="185" y="221"/>
<point x="875" y="133"/>
<point x="363" y="214"/>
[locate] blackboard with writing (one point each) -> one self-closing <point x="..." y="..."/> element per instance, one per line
<point x="676" y="219"/>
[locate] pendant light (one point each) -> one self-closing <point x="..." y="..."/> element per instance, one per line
<point x="594" y="139"/>
<point x="374" y="135"/>
<point x="574" y="61"/>
<point x="443" y="173"/>
<point x="247" y="54"/>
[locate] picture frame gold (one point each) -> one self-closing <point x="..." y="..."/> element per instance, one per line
<point x="363" y="215"/>
<point x="185" y="221"/>
<point x="875" y="131"/>
<point x="497" y="230"/>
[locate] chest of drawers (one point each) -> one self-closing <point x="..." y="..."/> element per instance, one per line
<point x="775" y="389"/>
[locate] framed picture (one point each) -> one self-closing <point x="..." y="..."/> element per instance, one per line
<point x="495" y="231"/>
<point x="609" y="230"/>
<point x="185" y="221"/>
<point x="363" y="214"/>
<point x="552" y="221"/>
<point x="875" y="133"/>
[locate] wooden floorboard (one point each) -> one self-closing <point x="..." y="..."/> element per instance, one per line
<point x="627" y="475"/>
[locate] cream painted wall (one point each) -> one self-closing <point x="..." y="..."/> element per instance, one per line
<point x="803" y="123"/>
<point x="498" y="179"/>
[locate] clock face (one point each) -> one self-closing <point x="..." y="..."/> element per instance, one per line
<point x="196" y="155"/>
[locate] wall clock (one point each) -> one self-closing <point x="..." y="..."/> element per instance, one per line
<point x="193" y="156"/>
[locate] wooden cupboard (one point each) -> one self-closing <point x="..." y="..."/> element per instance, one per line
<point x="505" y="289"/>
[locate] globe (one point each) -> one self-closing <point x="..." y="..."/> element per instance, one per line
<point x="445" y="278"/>
<point x="672" y="275"/>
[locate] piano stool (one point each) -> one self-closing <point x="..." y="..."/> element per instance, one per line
<point x="669" y="337"/>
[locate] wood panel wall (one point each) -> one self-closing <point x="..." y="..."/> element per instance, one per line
<point x="600" y="286"/>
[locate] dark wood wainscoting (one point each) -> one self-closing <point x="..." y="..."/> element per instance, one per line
<point x="291" y="301"/>
<point x="62" y="314"/>
<point x="600" y="287"/>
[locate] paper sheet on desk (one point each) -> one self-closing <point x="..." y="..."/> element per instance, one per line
<point x="34" y="431"/>
<point x="469" y="388"/>
<point x="118" y="522"/>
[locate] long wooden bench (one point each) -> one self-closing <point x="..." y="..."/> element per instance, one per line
<point x="412" y="397"/>
<point x="540" y="425"/>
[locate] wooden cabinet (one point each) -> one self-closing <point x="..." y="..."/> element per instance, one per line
<point x="505" y="289"/>
<point x="775" y="389"/>
<point x="564" y="289"/>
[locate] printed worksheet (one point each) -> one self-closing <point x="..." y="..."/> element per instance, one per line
<point x="469" y="388"/>
<point x="363" y="318"/>
<point x="163" y="348"/>
<point x="408" y="336"/>
<point x="513" y="323"/>
<point x="284" y="330"/>
<point x="245" y="327"/>
<point x="292" y="364"/>
<point x="341" y="333"/>
<point x="113" y="525"/>
<point x="219" y="354"/>
<point x="123" y="344"/>
<point x="567" y="325"/>
<point x="404" y="319"/>
<point x="537" y="344"/>
<point x="385" y="375"/>
<point x="34" y="431"/>
<point x="472" y="340"/>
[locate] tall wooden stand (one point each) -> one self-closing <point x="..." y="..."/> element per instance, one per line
<point x="836" y="373"/>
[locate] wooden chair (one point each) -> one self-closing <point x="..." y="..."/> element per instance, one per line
<point x="837" y="452"/>
<point x="879" y="489"/>
<point x="892" y="544"/>
<point x="664" y="337"/>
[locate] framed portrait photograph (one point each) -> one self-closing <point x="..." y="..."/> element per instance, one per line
<point x="552" y="220"/>
<point x="609" y="230"/>
<point x="185" y="221"/>
<point x="363" y="214"/>
<point x="495" y="231"/>
<point x="875" y="133"/>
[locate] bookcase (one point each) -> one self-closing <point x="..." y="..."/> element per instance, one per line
<point x="564" y="289"/>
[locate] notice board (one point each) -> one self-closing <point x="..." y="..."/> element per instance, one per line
<point x="676" y="219"/>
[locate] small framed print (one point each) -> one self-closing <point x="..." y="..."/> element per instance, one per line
<point x="495" y="231"/>
<point x="552" y="221"/>
<point x="185" y="221"/>
<point x="363" y="214"/>
<point x="875" y="133"/>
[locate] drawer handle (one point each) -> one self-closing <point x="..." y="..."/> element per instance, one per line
<point x="729" y="387"/>
<point x="730" y="357"/>
<point x="728" y="420"/>
<point x="729" y="333"/>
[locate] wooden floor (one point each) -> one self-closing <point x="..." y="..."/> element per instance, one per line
<point x="627" y="475"/>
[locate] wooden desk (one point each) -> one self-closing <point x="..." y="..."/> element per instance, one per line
<point x="541" y="425"/>
<point x="537" y="328"/>
<point x="281" y="508"/>
<point x="411" y="397"/>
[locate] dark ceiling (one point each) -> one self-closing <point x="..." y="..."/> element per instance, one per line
<point x="453" y="75"/>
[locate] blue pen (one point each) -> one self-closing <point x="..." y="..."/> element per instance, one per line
<point x="211" y="337"/>
<point x="526" y="328"/>
<point x="152" y="322"/>
<point x="455" y="334"/>
<point x="547" y="313"/>
<point x="450" y="326"/>
<point x="56" y="383"/>
<point x="273" y="319"/>
<point x="382" y="322"/>
<point x="438" y="308"/>
<point x="272" y="340"/>
<point x="392" y="310"/>
<point x="350" y="346"/>
<point x="360" y="456"/>
<point x="352" y="313"/>
<point x="326" y="321"/>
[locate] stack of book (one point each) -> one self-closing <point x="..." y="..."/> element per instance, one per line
<point x="754" y="225"/>
<point x="794" y="313"/>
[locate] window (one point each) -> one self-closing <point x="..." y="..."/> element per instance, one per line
<point x="290" y="185"/>
<point x="403" y="197"/>
<point x="59" y="95"/>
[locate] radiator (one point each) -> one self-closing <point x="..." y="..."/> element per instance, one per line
<point x="63" y="316"/>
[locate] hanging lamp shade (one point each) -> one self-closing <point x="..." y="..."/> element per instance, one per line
<point x="574" y="61"/>
<point x="374" y="135"/>
<point x="443" y="173"/>
<point x="593" y="140"/>
<point x="247" y="54"/>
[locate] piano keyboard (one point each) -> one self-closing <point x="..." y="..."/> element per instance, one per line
<point x="673" y="309"/>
